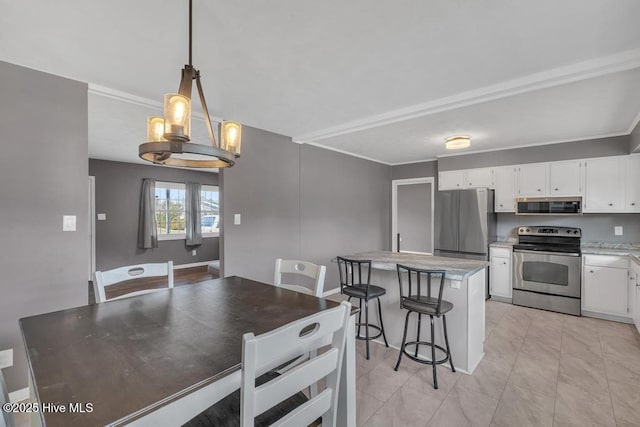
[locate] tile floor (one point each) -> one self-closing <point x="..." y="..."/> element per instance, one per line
<point x="540" y="369"/>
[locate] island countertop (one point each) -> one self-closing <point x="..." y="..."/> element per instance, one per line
<point x="456" y="268"/>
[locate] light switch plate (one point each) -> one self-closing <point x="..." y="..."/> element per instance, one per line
<point x="194" y="252"/>
<point x="68" y="223"/>
<point x="455" y="284"/>
<point x="102" y="217"/>
<point x="236" y="219"/>
<point x="6" y="358"/>
<point x="618" y="230"/>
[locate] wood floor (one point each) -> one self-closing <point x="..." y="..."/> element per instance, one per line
<point x="181" y="277"/>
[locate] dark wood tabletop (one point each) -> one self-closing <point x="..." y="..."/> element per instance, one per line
<point x="126" y="355"/>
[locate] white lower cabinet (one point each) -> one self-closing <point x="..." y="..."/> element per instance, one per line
<point x="605" y="288"/>
<point x="500" y="273"/>
<point x="634" y="285"/>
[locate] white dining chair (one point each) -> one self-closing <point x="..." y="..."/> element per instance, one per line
<point x="6" y="420"/>
<point x="104" y="279"/>
<point x="302" y="268"/>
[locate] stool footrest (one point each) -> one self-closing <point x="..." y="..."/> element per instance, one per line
<point x="425" y="362"/>
<point x="364" y="338"/>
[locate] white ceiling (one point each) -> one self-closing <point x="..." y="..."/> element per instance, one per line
<point x="387" y="82"/>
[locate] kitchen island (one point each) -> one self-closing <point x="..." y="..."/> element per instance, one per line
<point x="464" y="287"/>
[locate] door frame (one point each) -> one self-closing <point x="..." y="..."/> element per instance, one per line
<point x="394" y="209"/>
<point x="92" y="226"/>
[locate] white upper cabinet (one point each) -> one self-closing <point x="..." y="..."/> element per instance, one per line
<point x="450" y="180"/>
<point x="532" y="180"/>
<point x="505" y="183"/>
<point x="632" y="194"/>
<point x="604" y="185"/>
<point x="478" y="178"/>
<point x="565" y="178"/>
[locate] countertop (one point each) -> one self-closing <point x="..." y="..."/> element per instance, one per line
<point x="456" y="268"/>
<point x="506" y="245"/>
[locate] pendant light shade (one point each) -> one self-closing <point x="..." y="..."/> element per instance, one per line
<point x="169" y="137"/>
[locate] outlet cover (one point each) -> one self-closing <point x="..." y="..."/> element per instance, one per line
<point x="68" y="223"/>
<point x="6" y="358"/>
<point x="237" y="219"/>
<point x="102" y="217"/>
<point x="618" y="230"/>
<point x="194" y="252"/>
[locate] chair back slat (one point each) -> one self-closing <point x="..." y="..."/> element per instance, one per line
<point x="408" y="272"/>
<point x="301" y="268"/>
<point x="310" y="411"/>
<point x="104" y="279"/>
<point x="267" y="351"/>
<point x="294" y="380"/>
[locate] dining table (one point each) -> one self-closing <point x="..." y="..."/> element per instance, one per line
<point x="161" y="358"/>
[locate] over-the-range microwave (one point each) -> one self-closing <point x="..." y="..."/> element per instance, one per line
<point x="549" y="206"/>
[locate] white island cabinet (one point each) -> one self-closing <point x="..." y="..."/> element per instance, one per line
<point x="464" y="287"/>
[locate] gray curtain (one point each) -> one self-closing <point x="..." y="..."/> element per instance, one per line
<point x="192" y="208"/>
<point x="147" y="228"/>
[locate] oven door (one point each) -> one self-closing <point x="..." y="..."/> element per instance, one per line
<point x="547" y="272"/>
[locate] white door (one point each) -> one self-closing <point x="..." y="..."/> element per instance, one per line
<point x="505" y="183"/>
<point x="565" y="178"/>
<point x="412" y="215"/>
<point x="451" y="180"/>
<point x="532" y="180"/>
<point x="632" y="199"/>
<point x="478" y="178"/>
<point x="605" y="290"/>
<point x="604" y="185"/>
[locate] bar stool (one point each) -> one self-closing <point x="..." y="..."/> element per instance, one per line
<point x="423" y="304"/>
<point x="355" y="286"/>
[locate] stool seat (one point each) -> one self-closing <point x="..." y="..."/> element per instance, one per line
<point x="426" y="305"/>
<point x="363" y="291"/>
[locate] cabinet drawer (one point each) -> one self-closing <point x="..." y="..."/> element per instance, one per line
<point x="606" y="261"/>
<point x="500" y="253"/>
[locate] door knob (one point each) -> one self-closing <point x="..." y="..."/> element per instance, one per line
<point x="610" y="204"/>
<point x="554" y="189"/>
<point x="633" y="204"/>
<point x="539" y="189"/>
<point x="590" y="271"/>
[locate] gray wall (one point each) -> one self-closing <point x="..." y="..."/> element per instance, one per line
<point x="415" y="170"/>
<point x="634" y="140"/>
<point x="299" y="201"/>
<point x="118" y="195"/>
<point x="43" y="168"/>
<point x="595" y="227"/>
<point x="602" y="147"/>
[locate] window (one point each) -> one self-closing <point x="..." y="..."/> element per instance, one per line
<point x="171" y="215"/>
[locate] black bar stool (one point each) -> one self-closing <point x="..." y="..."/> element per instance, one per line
<point x="423" y="304"/>
<point x="355" y="286"/>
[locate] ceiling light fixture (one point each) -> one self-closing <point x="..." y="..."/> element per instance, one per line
<point x="168" y="137"/>
<point x="457" y="142"/>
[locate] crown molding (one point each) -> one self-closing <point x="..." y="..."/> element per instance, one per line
<point x="349" y="153"/>
<point x="107" y="92"/>
<point x="514" y="147"/>
<point x="634" y="124"/>
<point x="557" y="76"/>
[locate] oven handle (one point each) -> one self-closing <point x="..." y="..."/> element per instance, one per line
<point x="524" y="251"/>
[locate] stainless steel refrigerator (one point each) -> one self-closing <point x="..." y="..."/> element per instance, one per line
<point x="465" y="224"/>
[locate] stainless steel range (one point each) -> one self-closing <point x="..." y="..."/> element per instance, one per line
<point x="548" y="268"/>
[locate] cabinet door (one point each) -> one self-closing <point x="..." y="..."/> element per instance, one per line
<point x="478" y="178"/>
<point x="505" y="183"/>
<point x="636" y="313"/>
<point x="565" y="178"/>
<point x="632" y="196"/>
<point x="451" y="180"/>
<point x="500" y="277"/>
<point x="605" y="290"/>
<point x="604" y="185"/>
<point x="532" y="180"/>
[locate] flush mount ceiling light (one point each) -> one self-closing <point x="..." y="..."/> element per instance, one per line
<point x="168" y="137"/>
<point x="457" y="142"/>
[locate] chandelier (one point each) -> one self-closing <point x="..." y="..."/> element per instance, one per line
<point x="168" y="137"/>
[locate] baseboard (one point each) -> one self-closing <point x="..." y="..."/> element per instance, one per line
<point x="501" y="299"/>
<point x="19" y="395"/>
<point x="611" y="317"/>
<point x="194" y="264"/>
<point x="446" y="365"/>
<point x="331" y="292"/>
